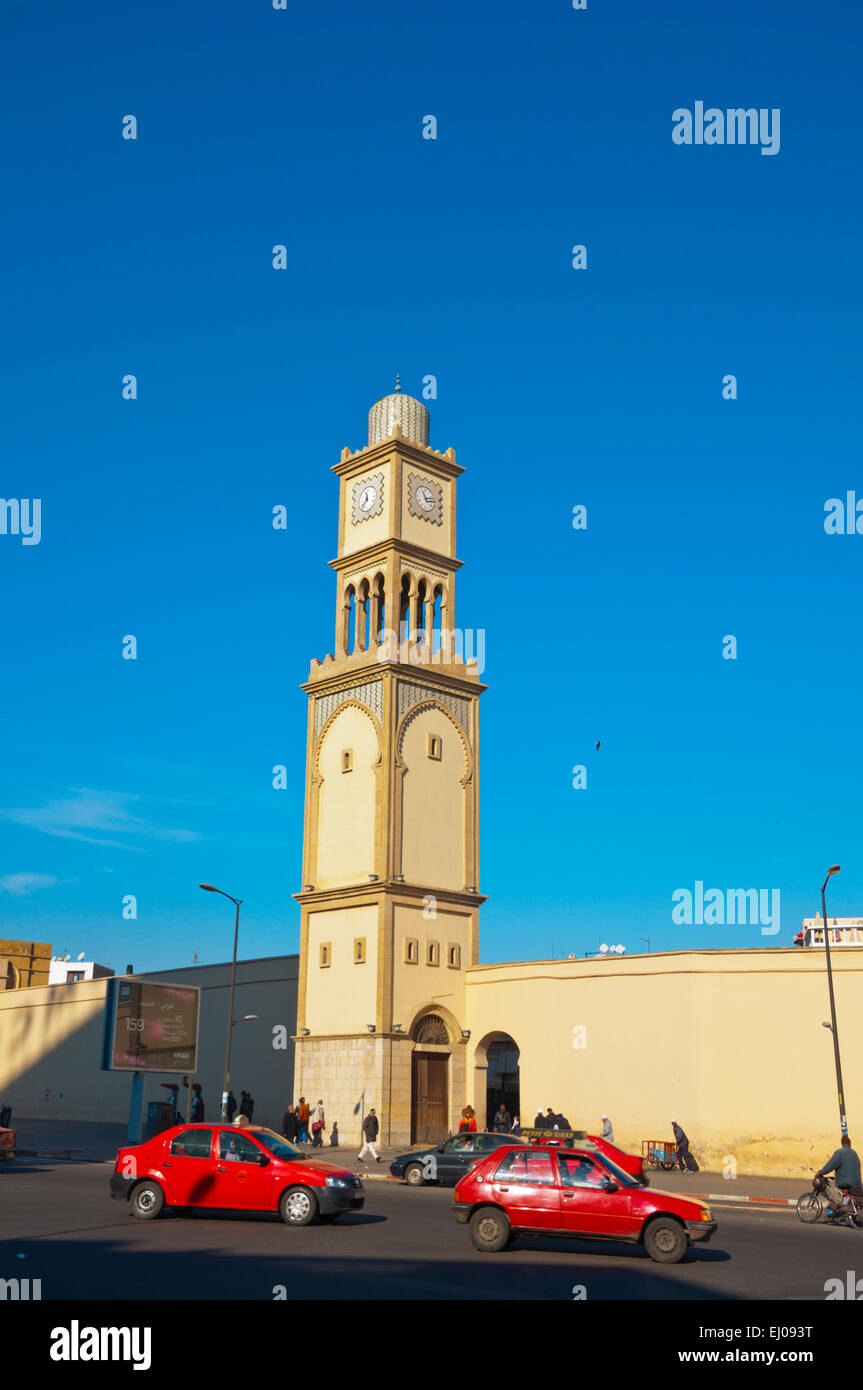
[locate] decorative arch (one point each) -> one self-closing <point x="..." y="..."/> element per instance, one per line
<point x="497" y="1077"/>
<point x="446" y="1015"/>
<point x="316" y="780"/>
<point x="467" y="781"/>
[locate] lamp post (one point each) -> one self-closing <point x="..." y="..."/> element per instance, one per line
<point x="834" y="869"/>
<point x="208" y="888"/>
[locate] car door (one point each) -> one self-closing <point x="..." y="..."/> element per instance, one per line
<point x="242" y="1183"/>
<point x="455" y="1157"/>
<point x="525" y="1184"/>
<point x="585" y="1207"/>
<point x="189" y="1168"/>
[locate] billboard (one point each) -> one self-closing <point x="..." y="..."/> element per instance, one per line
<point x="150" y="1026"/>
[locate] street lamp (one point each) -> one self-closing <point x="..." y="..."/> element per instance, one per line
<point x="843" y="1120"/>
<point x="208" y="888"/>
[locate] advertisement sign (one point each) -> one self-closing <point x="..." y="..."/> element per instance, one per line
<point x="151" y="1027"/>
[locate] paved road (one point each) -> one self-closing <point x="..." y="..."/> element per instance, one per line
<point x="405" y="1244"/>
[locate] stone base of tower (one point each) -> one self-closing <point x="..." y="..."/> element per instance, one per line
<point x="352" y="1075"/>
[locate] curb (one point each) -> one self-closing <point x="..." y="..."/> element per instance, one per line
<point x="724" y="1197"/>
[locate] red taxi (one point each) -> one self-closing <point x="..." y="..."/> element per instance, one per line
<point x="574" y="1192"/>
<point x="569" y="1138"/>
<point x="228" y="1168"/>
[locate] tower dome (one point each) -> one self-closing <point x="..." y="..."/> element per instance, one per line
<point x="401" y="410"/>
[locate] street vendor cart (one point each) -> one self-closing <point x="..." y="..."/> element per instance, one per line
<point x="659" y="1153"/>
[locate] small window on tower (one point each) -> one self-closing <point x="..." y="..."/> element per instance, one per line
<point x="412" y="950"/>
<point x="435" y="746"/>
<point x="347" y="760"/>
<point x="359" y="950"/>
<point x="433" y="953"/>
<point x="326" y="952"/>
<point x="453" y="956"/>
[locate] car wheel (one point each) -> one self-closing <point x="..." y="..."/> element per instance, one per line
<point x="666" y="1241"/>
<point x="489" y="1229"/>
<point x="147" y="1201"/>
<point x="298" y="1206"/>
<point x="809" y="1207"/>
<point x="414" y="1175"/>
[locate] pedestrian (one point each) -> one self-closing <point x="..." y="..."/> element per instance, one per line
<point x="370" y="1134"/>
<point x="607" y="1132"/>
<point x="197" y="1106"/>
<point x="550" y="1121"/>
<point x="303" y="1120"/>
<point x="539" y="1122"/>
<point x="247" y="1105"/>
<point x="468" y="1121"/>
<point x="516" y="1125"/>
<point x="685" y="1161"/>
<point x="289" y="1125"/>
<point x="318" y="1126"/>
<point x="502" y="1120"/>
<point x="231" y="1108"/>
<point x="561" y="1122"/>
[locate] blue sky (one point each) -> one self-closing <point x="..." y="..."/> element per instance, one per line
<point x="557" y="387"/>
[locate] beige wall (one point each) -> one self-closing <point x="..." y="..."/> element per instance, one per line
<point x="729" y="1043"/>
<point x="51" y="1040"/>
<point x="434" y="801"/>
<point x="346" y="800"/>
<point x="423" y="986"/>
<point x="342" y="997"/>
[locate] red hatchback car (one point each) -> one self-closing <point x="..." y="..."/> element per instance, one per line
<point x="574" y="1192"/>
<point x="224" y="1167"/>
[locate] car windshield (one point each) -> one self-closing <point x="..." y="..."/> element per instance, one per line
<point x="278" y="1147"/>
<point x="625" y="1179"/>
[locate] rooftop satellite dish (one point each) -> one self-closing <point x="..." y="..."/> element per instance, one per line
<point x="80" y="955"/>
<point x="67" y="957"/>
<point x="603" y="950"/>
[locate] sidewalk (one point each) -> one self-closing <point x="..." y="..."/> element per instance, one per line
<point x="92" y="1142"/>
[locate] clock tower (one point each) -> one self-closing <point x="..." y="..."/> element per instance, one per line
<point x="390" y="898"/>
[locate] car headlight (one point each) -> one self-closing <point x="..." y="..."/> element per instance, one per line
<point x="706" y="1214"/>
<point x="339" y="1182"/>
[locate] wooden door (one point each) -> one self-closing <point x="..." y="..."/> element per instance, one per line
<point x="429" y="1074"/>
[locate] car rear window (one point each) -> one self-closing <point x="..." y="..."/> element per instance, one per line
<point x="526" y="1165"/>
<point x="192" y="1143"/>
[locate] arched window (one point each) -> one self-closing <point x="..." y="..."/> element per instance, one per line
<point x="350" y="620"/>
<point x="431" y="1029"/>
<point x="436" y="618"/>
<point x="404" y="609"/>
<point x="421" y="611"/>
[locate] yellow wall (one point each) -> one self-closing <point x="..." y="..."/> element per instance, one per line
<point x="346" y="801"/>
<point x="434" y="803"/>
<point x="30" y="962"/>
<point x="418" y="986"/>
<point x="341" y="997"/>
<point x="728" y="1043"/>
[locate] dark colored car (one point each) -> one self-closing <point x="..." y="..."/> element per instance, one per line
<point x="448" y="1162"/>
<point x="574" y="1192"/>
<point x="228" y="1168"/>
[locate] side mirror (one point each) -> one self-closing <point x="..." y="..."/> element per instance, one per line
<point x="609" y="1185"/>
<point x="263" y="1160"/>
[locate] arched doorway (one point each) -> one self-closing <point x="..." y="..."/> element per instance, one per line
<point x="430" y="1080"/>
<point x="502" y="1079"/>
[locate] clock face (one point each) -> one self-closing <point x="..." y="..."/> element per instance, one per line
<point x="368" y="497"/>
<point x="424" y="497"/>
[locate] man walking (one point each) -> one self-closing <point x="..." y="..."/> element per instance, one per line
<point x="502" y="1121"/>
<point x="685" y="1161"/>
<point x="197" y="1105"/>
<point x="231" y="1107"/>
<point x="303" y="1121"/>
<point x="370" y="1134"/>
<point x="289" y="1125"/>
<point x="247" y="1105"/>
<point x="607" y="1132"/>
